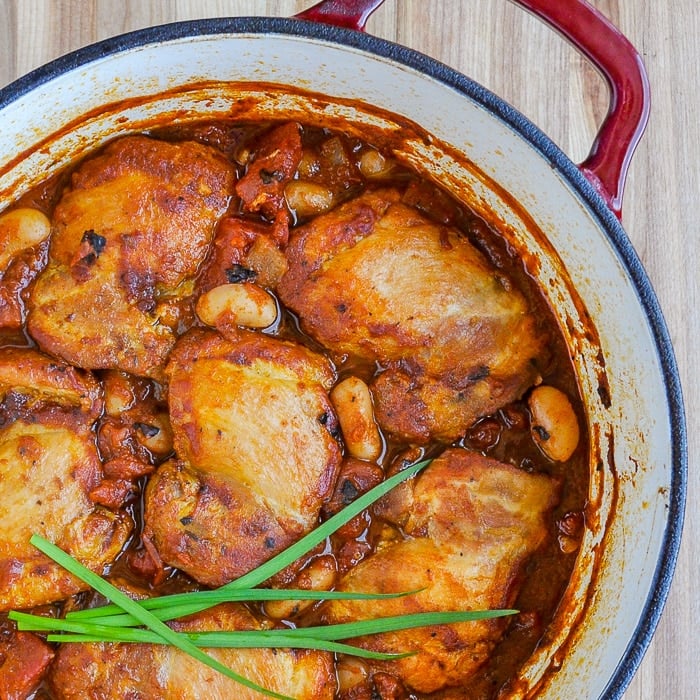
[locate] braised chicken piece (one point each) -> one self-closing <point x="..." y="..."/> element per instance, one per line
<point x="118" y="671"/>
<point x="376" y="280"/>
<point x="49" y="467"/>
<point x="129" y="236"/>
<point x="255" y="435"/>
<point x="470" y="523"/>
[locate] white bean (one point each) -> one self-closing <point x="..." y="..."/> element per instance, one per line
<point x="351" y="672"/>
<point x="21" y="229"/>
<point x="306" y="198"/>
<point x="157" y="435"/>
<point x="319" y="575"/>
<point x="243" y="304"/>
<point x="568" y="545"/>
<point x="554" y="425"/>
<point x="353" y="404"/>
<point x="374" y="165"/>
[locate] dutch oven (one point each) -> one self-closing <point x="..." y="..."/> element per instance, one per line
<point x="563" y="218"/>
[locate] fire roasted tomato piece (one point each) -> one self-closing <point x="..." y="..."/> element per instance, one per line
<point x="272" y="165"/>
<point x="245" y="251"/>
<point x="14" y="283"/>
<point x="134" y="432"/>
<point x="24" y="658"/>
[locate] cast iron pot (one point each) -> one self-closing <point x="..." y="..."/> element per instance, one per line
<point x="320" y="67"/>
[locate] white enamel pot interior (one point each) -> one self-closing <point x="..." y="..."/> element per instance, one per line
<point x="487" y="154"/>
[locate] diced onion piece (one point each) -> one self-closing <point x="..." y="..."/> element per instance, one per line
<point x="268" y="262"/>
<point x="169" y="313"/>
<point x="306" y="198"/>
<point x="21" y="229"/>
<point x="554" y="426"/>
<point x="119" y="396"/>
<point x="243" y="304"/>
<point x="334" y="152"/>
<point x="242" y="155"/>
<point x="353" y="404"/>
<point x="308" y="165"/>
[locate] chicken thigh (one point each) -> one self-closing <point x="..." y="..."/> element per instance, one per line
<point x="255" y="435"/>
<point x="128" y="238"/>
<point x="49" y="467"/>
<point x="470" y="523"/>
<point x="147" y="671"/>
<point x="376" y="280"/>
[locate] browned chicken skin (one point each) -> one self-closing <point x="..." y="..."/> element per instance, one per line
<point x="254" y="430"/>
<point x="375" y="279"/>
<point x="128" y="238"/>
<point x="470" y="523"/>
<point x="49" y="467"/>
<point x="146" y="672"/>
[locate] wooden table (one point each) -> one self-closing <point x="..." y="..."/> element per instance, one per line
<point x="511" y="53"/>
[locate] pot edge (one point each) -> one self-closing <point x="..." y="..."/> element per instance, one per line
<point x="499" y="108"/>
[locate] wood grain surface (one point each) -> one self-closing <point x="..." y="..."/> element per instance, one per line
<point x="514" y="55"/>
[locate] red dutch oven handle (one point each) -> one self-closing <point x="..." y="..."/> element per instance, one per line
<point x="602" y="43"/>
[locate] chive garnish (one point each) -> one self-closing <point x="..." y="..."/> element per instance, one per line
<point x="145" y="617"/>
<point x="180" y="604"/>
<point x="277" y="563"/>
<point x="120" y="622"/>
<point x="65" y="631"/>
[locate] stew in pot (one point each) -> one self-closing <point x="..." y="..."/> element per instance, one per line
<point x="216" y="336"/>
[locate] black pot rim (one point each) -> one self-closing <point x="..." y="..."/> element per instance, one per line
<point x="500" y="109"/>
